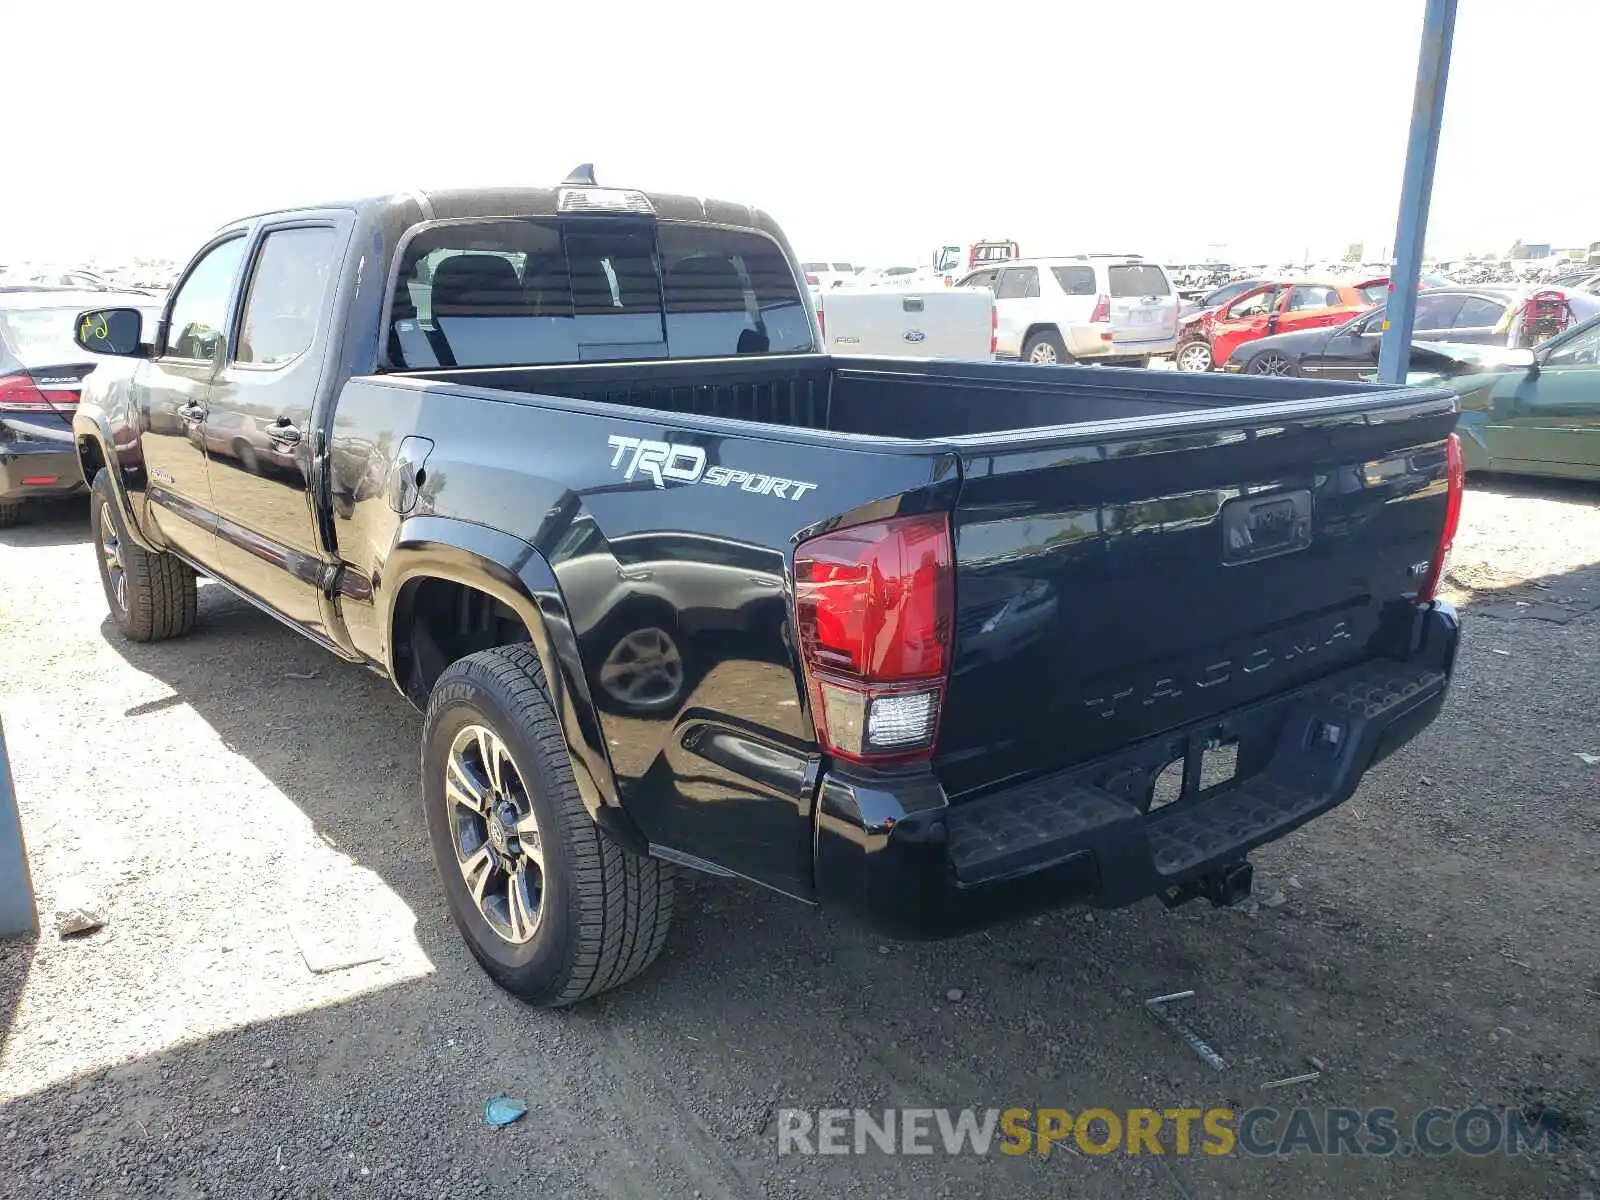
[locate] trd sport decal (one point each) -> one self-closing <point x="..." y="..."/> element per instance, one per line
<point x="680" y="463"/>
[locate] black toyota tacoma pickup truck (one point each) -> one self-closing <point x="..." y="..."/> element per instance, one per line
<point x="675" y="590"/>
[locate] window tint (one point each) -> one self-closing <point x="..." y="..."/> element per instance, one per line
<point x="813" y="268"/>
<point x="201" y="304"/>
<point x="1376" y="293"/>
<point x="1138" y="279"/>
<point x="1582" y="350"/>
<point x="1018" y="283"/>
<point x="1075" y="281"/>
<point x="1225" y="293"/>
<point x="287" y="288"/>
<point x="1479" y="312"/>
<point x="1304" y="297"/>
<point x="843" y="268"/>
<point x="728" y="293"/>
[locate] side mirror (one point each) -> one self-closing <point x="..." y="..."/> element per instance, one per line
<point x="110" y="331"/>
<point x="1521" y="359"/>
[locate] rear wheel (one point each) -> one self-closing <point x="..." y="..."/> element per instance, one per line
<point x="1046" y="349"/>
<point x="152" y="596"/>
<point x="1195" y="357"/>
<point x="1271" y="362"/>
<point x="551" y="907"/>
<point x="10" y="514"/>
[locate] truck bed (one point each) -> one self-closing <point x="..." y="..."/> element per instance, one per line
<point x="898" y="398"/>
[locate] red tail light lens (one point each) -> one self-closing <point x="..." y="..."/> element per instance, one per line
<point x="18" y="393"/>
<point x="873" y="605"/>
<point x="813" y="281"/>
<point x="822" y="326"/>
<point x="1456" y="471"/>
<point x="994" y="330"/>
<point x="1102" y="310"/>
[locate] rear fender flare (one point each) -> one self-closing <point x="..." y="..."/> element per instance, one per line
<point x="516" y="574"/>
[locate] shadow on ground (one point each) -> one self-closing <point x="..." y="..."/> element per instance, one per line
<point x="49" y="523"/>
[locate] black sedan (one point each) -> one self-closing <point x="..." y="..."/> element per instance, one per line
<point x="1480" y="315"/>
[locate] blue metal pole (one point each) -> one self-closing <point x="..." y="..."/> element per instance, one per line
<point x="17" y="912"/>
<point x="1427" y="112"/>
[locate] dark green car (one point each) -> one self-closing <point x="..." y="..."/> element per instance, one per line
<point x="1527" y="412"/>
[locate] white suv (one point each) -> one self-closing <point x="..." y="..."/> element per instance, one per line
<point x="1102" y="308"/>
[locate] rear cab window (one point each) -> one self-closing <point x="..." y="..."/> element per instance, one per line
<point x="537" y="291"/>
<point x="1131" y="280"/>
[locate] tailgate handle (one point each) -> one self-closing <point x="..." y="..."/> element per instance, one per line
<point x="1255" y="527"/>
<point x="911" y="303"/>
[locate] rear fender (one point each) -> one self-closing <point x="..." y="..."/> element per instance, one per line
<point x="516" y="574"/>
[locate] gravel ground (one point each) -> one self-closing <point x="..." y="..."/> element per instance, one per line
<point x="238" y="796"/>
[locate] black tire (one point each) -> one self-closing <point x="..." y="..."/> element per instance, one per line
<point x="10" y="514"/>
<point x="247" y="457"/>
<point x="158" y="598"/>
<point x="1046" y="340"/>
<point x="603" y="911"/>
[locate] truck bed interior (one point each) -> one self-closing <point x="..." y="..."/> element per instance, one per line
<point x="898" y="398"/>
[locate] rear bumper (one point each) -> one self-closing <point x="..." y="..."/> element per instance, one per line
<point x="900" y="855"/>
<point x="39" y="462"/>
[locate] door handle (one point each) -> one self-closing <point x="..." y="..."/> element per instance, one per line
<point x="282" y="431"/>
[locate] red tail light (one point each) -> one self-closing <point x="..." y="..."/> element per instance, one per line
<point x="822" y="327"/>
<point x="1102" y="310"/>
<point x="1456" y="471"/>
<point x="813" y="281"/>
<point x="873" y="605"/>
<point x="18" y="393"/>
<point x="994" y="330"/>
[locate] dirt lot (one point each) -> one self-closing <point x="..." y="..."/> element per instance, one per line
<point x="238" y="795"/>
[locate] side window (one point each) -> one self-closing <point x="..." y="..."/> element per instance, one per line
<point x="285" y="295"/>
<point x="983" y="279"/>
<point x="1075" y="281"/>
<point x="1580" y="351"/>
<point x="1256" y="304"/>
<point x="1018" y="283"/>
<point x="1436" y="312"/>
<point x="1376" y="293"/>
<point x="201" y="304"/>
<point x="1480" y="312"/>
<point x="1305" y="298"/>
<point x="728" y="292"/>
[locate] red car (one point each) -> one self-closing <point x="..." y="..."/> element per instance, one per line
<point x="1207" y="338"/>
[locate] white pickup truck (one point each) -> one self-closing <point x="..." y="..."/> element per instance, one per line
<point x="936" y="322"/>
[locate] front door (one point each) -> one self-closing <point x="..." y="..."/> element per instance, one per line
<point x="1246" y="319"/>
<point x="1550" y="421"/>
<point x="258" y="428"/>
<point x="170" y="393"/>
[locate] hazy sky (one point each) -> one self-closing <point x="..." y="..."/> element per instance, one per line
<point x="871" y="130"/>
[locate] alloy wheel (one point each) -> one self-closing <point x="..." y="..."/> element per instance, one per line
<point x="1194" y="357"/>
<point x="111" y="557"/>
<point x="1042" y="352"/>
<point x="1270" y="363"/>
<point x="497" y="841"/>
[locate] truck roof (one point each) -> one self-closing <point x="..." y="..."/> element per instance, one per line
<point x="456" y="203"/>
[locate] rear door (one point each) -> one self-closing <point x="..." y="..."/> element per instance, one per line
<point x="1479" y="321"/>
<point x="257" y="429"/>
<point x="1106" y="593"/>
<point x="1144" y="307"/>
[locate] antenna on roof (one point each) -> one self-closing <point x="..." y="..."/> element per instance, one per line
<point x="581" y="176"/>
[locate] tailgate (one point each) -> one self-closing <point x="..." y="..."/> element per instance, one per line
<point x="1143" y="305"/>
<point x="1117" y="583"/>
<point x="951" y="323"/>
